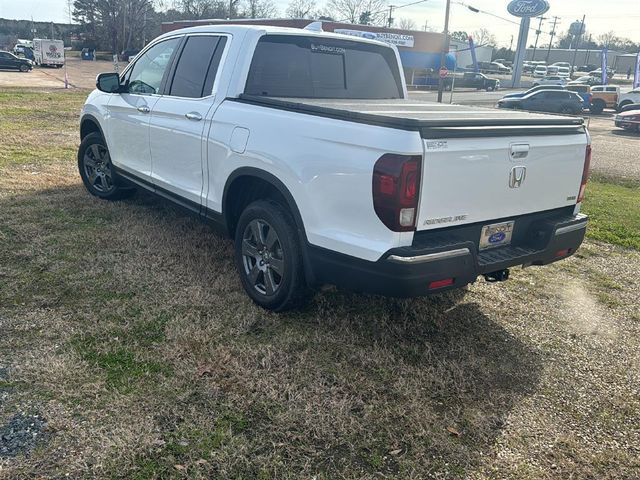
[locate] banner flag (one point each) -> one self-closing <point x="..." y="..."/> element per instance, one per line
<point x="472" y="48"/>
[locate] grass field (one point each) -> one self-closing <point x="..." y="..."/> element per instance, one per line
<point x="124" y="326"/>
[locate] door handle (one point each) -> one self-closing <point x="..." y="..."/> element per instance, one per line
<point x="144" y="109"/>
<point x="195" y="116"/>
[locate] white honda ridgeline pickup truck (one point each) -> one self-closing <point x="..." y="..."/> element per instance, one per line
<point x="305" y="148"/>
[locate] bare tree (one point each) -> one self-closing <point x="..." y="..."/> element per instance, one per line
<point x="484" y="37"/>
<point x="301" y="9"/>
<point x="608" y="39"/>
<point x="407" y="24"/>
<point x="260" y="9"/>
<point x="369" y="12"/>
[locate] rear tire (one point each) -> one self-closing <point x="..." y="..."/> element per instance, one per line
<point x="269" y="257"/>
<point x="96" y="170"/>
<point x="597" y="107"/>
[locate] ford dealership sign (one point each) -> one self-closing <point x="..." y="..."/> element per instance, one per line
<point x="528" y="8"/>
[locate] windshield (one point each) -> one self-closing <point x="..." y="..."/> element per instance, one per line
<point x="316" y="67"/>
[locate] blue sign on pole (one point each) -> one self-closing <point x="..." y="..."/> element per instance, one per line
<point x="528" y="8"/>
<point x="636" y="77"/>
<point x="604" y="66"/>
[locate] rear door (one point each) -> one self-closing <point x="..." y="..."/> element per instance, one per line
<point x="181" y="116"/>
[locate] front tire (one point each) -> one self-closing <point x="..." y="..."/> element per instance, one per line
<point x="96" y="170"/>
<point x="269" y="257"/>
<point x="24" y="68"/>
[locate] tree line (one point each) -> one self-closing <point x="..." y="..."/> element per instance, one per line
<point x="118" y="25"/>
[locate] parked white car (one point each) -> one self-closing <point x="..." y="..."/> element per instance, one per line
<point x="306" y="149"/>
<point x="554" y="80"/>
<point x="564" y="72"/>
<point x="629" y="98"/>
<point x="540" y="71"/>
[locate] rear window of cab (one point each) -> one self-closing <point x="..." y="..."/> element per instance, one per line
<point x="321" y="67"/>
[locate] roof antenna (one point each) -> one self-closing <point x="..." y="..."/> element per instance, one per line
<point x="314" y="27"/>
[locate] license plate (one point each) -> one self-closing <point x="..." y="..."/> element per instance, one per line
<point x="496" y="235"/>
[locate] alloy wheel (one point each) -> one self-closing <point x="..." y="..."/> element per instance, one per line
<point x="262" y="257"/>
<point x="97" y="168"/>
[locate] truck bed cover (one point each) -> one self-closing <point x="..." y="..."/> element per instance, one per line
<point x="433" y="120"/>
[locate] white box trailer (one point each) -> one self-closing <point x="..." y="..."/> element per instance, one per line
<point x="48" y="52"/>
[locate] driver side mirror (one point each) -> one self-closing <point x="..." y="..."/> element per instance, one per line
<point x="108" y="82"/>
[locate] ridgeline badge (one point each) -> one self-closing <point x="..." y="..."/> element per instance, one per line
<point x="528" y="8"/>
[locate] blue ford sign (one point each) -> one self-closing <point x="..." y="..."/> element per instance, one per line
<point x="528" y="8"/>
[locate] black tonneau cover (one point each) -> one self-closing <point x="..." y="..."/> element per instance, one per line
<point x="433" y="120"/>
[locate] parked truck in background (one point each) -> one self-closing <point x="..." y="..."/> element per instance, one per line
<point x="49" y="53"/>
<point x="306" y="149"/>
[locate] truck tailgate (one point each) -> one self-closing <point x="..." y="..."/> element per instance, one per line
<point x="481" y="179"/>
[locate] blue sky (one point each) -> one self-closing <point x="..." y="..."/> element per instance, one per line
<point x="621" y="16"/>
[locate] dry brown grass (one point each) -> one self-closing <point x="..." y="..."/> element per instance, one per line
<point x="125" y="326"/>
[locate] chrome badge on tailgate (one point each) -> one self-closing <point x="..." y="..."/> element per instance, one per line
<point x="496" y="235"/>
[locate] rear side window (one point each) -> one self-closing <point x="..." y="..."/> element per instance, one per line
<point x="197" y="66"/>
<point x="308" y="67"/>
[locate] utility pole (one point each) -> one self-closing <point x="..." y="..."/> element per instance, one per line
<point x="553" y="33"/>
<point x="578" y="37"/>
<point x="230" y="8"/>
<point x="390" y="19"/>
<point x="586" y="62"/>
<point x="445" y="50"/>
<point x="538" y="32"/>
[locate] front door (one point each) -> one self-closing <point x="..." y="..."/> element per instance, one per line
<point x="181" y="118"/>
<point x="129" y="112"/>
<point x="7" y="60"/>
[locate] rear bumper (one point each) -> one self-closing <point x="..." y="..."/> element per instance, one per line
<point x="408" y="271"/>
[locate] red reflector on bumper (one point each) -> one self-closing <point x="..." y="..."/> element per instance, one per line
<point x="563" y="253"/>
<point x="447" y="282"/>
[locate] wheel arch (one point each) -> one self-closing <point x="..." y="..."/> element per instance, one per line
<point x="90" y="124"/>
<point x="250" y="176"/>
<point x="261" y="184"/>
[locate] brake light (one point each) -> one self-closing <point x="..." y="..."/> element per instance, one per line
<point x="396" y="188"/>
<point x="445" y="282"/>
<point x="585" y="173"/>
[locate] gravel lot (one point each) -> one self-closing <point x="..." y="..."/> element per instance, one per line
<point x="81" y="74"/>
<point x="616" y="152"/>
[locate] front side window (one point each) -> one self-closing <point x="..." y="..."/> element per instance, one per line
<point x="308" y="67"/>
<point x="145" y="77"/>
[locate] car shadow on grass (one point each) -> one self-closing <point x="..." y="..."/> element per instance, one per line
<point x="350" y="386"/>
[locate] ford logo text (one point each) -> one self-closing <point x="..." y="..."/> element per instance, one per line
<point x="528" y="8"/>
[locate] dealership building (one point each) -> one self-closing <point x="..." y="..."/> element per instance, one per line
<point x="419" y="51"/>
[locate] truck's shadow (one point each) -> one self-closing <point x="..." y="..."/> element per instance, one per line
<point x="428" y="378"/>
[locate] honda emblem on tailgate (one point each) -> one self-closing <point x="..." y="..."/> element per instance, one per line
<point x="517" y="176"/>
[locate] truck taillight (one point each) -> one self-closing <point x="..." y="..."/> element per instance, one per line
<point x="396" y="188"/>
<point x="585" y="173"/>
